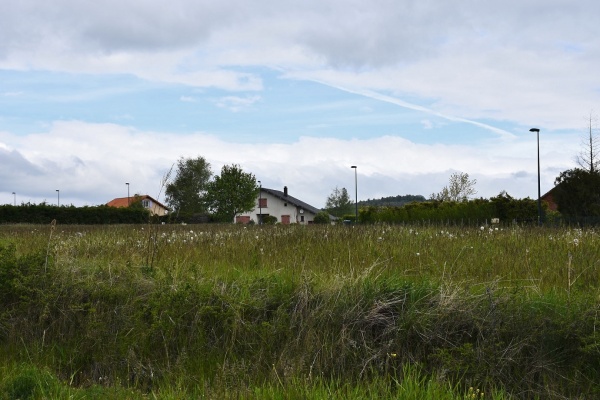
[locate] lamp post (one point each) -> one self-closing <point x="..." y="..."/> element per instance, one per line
<point x="259" y="203"/>
<point x="15" y="196"/>
<point x="537" y="131"/>
<point x="58" y="197"/>
<point x="127" y="183"/>
<point x="355" y="194"/>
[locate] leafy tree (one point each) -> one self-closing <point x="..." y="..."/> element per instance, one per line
<point x="577" y="193"/>
<point x="459" y="188"/>
<point x="231" y="193"/>
<point x="339" y="203"/>
<point x="185" y="193"/>
<point x="511" y="209"/>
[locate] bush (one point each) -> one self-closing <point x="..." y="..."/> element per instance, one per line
<point x="269" y="220"/>
<point x="322" y="218"/>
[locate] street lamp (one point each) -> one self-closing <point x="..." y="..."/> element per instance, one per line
<point x="127" y="183"/>
<point x="259" y="203"/>
<point x="537" y="131"/>
<point x="355" y="194"/>
<point x="15" y="195"/>
<point x="58" y="197"/>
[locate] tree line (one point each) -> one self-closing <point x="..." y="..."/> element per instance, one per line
<point x="576" y="193"/>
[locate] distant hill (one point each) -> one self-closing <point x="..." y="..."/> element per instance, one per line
<point x="392" y="200"/>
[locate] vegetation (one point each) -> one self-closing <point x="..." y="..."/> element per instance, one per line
<point x="185" y="194"/>
<point x="362" y="311"/>
<point x="460" y="188"/>
<point x="44" y="214"/>
<point x="394" y="201"/>
<point x="339" y="203"/>
<point x="322" y="217"/>
<point x="231" y="193"/>
<point x="475" y="212"/>
<point x="577" y="193"/>
<point x="589" y="158"/>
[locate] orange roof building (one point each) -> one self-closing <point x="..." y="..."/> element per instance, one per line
<point x="148" y="202"/>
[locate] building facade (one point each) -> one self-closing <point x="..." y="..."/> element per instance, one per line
<point x="279" y="204"/>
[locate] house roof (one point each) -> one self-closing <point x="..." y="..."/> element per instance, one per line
<point x="292" y="200"/>
<point x="125" y="201"/>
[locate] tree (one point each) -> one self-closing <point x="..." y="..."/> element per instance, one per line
<point x="589" y="158"/>
<point x="185" y="193"/>
<point x="459" y="188"/>
<point x="577" y="193"/>
<point x="231" y="193"/>
<point x="339" y="203"/>
<point x="322" y="217"/>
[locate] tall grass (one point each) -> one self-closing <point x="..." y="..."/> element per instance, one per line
<point x="302" y="312"/>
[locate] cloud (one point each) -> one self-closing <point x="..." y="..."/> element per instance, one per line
<point x="90" y="163"/>
<point x="237" y="103"/>
<point x="496" y="66"/>
<point x="475" y="61"/>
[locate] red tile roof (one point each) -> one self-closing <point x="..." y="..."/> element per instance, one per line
<point x="126" y="201"/>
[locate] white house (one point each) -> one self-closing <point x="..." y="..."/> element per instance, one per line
<point x="278" y="204"/>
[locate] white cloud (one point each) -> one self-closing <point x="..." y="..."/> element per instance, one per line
<point x="524" y="62"/>
<point x="237" y="103"/>
<point x="427" y="124"/>
<point x="90" y="163"/>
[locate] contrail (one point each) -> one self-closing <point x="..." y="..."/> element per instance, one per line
<point x="401" y="103"/>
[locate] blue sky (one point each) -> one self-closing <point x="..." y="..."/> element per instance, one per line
<point x="96" y="95"/>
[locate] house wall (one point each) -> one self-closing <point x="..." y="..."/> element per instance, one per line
<point x="155" y="209"/>
<point x="278" y="208"/>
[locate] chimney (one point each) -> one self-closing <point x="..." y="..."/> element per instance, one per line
<point x="285" y="191"/>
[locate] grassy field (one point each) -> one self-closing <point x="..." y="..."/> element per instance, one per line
<point x="284" y="312"/>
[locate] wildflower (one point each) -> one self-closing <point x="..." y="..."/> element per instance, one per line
<point x="418" y="254"/>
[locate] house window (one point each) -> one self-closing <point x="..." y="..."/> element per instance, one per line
<point x="146" y="203"/>
<point x="262" y="203"/>
<point x="302" y="218"/>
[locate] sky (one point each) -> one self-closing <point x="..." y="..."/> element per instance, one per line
<point x="94" y="95"/>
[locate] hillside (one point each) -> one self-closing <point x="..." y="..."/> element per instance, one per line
<point x="399" y="200"/>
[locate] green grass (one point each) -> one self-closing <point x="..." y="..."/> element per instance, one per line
<point x="224" y="311"/>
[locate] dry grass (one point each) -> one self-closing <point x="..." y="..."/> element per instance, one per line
<point x="242" y="308"/>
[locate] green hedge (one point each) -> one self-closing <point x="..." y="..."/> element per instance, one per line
<point x="44" y="214"/>
<point x="472" y="212"/>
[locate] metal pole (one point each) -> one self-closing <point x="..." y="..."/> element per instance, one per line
<point x="537" y="131"/>
<point x="127" y="183"/>
<point x="355" y="194"/>
<point x="259" y="203"/>
<point x="15" y="195"/>
<point x="58" y="197"/>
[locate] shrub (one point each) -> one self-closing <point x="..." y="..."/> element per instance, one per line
<point x="322" y="217"/>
